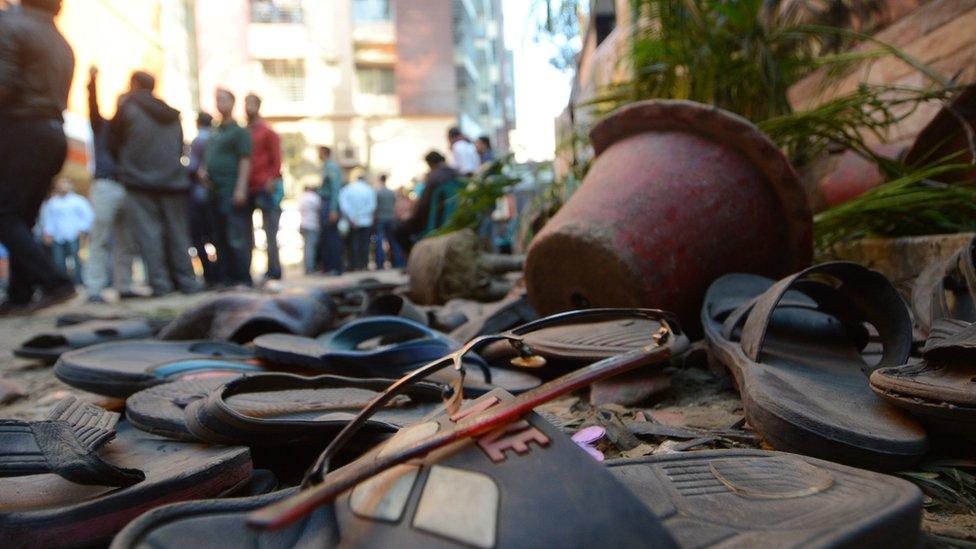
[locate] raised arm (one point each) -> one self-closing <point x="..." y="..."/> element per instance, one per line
<point x="94" y="115"/>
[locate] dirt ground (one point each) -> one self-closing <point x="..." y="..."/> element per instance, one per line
<point x="699" y="410"/>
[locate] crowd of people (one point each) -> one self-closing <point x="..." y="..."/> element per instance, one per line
<point x="146" y="201"/>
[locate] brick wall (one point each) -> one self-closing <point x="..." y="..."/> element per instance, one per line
<point x="425" y="77"/>
<point x="940" y="33"/>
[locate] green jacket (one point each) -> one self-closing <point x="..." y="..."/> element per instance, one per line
<point x="331" y="184"/>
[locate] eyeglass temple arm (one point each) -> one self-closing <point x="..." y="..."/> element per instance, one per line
<point x="301" y="504"/>
<point x="385" y="397"/>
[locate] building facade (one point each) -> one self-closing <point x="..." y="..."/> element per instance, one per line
<point x="379" y="81"/>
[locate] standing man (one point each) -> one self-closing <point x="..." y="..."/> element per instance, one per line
<point x="36" y="64"/>
<point x="201" y="222"/>
<point x="357" y="202"/>
<point x="65" y="217"/>
<point x="107" y="197"/>
<point x="147" y="140"/>
<point x="330" y="241"/>
<point x="466" y="158"/>
<point x="226" y="171"/>
<point x="265" y="187"/>
<point x="385" y="224"/>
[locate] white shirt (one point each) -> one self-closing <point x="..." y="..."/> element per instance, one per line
<point x="466" y="157"/>
<point x="310" y="206"/>
<point x="357" y="202"/>
<point x="64" y="218"/>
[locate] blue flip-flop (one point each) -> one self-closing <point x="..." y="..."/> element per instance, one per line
<point x="119" y="369"/>
<point x="385" y="346"/>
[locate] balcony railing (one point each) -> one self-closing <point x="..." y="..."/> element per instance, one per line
<point x="271" y="11"/>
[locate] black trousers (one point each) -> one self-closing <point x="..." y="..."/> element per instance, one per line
<point x="32" y="152"/>
<point x="358" y="248"/>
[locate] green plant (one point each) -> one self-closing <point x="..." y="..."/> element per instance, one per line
<point x="913" y="204"/>
<point x="949" y="482"/>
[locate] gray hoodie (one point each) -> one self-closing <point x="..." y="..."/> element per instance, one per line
<point x="147" y="139"/>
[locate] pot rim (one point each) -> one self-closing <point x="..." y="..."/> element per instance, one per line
<point x="729" y="129"/>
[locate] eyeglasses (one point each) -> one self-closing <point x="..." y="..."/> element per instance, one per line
<point x="317" y="490"/>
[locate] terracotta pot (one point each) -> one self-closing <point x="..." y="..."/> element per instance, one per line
<point x="679" y="194"/>
<point x="947" y="136"/>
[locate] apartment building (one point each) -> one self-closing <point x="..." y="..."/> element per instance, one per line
<point x="379" y="81"/>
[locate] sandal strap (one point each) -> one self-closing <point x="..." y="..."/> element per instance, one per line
<point x="805" y="294"/>
<point x="424" y="344"/>
<point x="950" y="339"/>
<point x="210" y="417"/>
<point x="960" y="266"/>
<point x="64" y="444"/>
<point x="862" y="296"/>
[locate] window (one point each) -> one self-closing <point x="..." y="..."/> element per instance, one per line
<point x="371" y="10"/>
<point x="376" y="80"/>
<point x="286" y="76"/>
<point x="276" y="11"/>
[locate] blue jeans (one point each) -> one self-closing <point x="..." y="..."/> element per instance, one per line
<point x="233" y="238"/>
<point x="310" y="237"/>
<point x="61" y="252"/>
<point x="270" y="205"/>
<point x="384" y="233"/>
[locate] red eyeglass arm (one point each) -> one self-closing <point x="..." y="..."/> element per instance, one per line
<point x="301" y="504"/>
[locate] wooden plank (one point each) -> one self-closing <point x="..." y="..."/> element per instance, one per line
<point x="933" y="31"/>
<point x="948" y="42"/>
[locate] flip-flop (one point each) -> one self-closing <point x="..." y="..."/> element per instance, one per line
<point x="271" y="409"/>
<point x="794" y="350"/>
<point x="396" y="305"/>
<point x="122" y="368"/>
<point x="947" y="289"/>
<point x="470" y="319"/>
<point x="941" y="388"/>
<point x="585" y="342"/>
<point x="49" y="346"/>
<point x="74" y="488"/>
<point x="398" y="346"/>
<point x="353" y="299"/>
<point x="755" y="498"/>
<point x="476" y="492"/>
<point x="240" y="317"/>
<point x="526" y="486"/>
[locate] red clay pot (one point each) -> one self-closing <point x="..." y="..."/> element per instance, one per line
<point x="679" y="194"/>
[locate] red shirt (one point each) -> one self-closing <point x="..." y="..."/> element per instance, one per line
<point x="265" y="158"/>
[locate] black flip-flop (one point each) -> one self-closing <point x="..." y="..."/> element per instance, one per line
<point x="470" y="319"/>
<point x="396" y="305"/>
<point x="49" y="346"/>
<point x="66" y="485"/>
<point x="272" y="409"/>
<point x="794" y="350"/>
<point x="585" y="342"/>
<point x="240" y="317"/>
<point x="122" y="368"/>
<point x="755" y="498"/>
